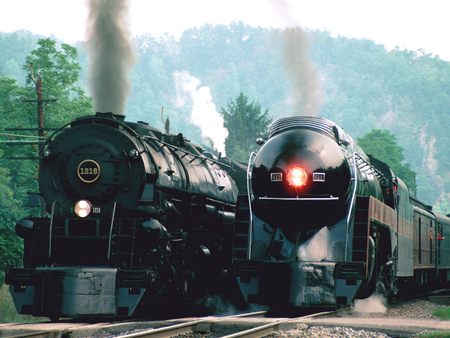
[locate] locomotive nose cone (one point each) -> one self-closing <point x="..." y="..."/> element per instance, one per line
<point x="300" y="179"/>
<point x="303" y="163"/>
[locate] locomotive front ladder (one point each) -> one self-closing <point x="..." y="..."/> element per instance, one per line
<point x="361" y="231"/>
<point x="241" y="229"/>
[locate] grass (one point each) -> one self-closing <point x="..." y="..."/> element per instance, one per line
<point x="444" y="334"/>
<point x="442" y="313"/>
<point x="8" y="313"/>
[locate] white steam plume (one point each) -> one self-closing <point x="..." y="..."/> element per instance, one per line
<point x="298" y="66"/>
<point x="374" y="304"/>
<point x="204" y="113"/>
<point x="111" y="54"/>
<point x="316" y="248"/>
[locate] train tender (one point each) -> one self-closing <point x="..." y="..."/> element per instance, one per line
<point x="134" y="216"/>
<point x="323" y="223"/>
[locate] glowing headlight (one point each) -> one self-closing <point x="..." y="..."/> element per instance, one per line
<point x="83" y="208"/>
<point x="297" y="177"/>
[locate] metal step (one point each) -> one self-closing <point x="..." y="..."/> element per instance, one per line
<point x="241" y="229"/>
<point x="360" y="230"/>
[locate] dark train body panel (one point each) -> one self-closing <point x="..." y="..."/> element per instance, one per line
<point x="443" y="233"/>
<point x="134" y="217"/>
<point x="323" y="223"/>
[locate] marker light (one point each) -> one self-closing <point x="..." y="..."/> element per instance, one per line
<point x="297" y="177"/>
<point x="83" y="208"/>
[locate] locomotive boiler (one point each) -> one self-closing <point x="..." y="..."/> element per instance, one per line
<point x="134" y="218"/>
<point x="323" y="223"/>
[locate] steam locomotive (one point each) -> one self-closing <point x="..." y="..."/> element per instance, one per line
<point x="134" y="218"/>
<point x="137" y="220"/>
<point x="323" y="223"/>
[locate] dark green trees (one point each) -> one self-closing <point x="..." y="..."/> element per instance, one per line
<point x="245" y="123"/>
<point x="382" y="145"/>
<point x="59" y="69"/>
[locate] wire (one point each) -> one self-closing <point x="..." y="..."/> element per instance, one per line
<point x="18" y="135"/>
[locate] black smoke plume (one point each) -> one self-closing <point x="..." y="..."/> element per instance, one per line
<point x="299" y="68"/>
<point x="111" y="54"/>
<point x="301" y="72"/>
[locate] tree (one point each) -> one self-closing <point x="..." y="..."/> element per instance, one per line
<point x="59" y="71"/>
<point x="10" y="243"/>
<point x="381" y="144"/>
<point x="245" y="123"/>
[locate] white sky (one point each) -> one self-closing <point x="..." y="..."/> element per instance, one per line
<point x="410" y="24"/>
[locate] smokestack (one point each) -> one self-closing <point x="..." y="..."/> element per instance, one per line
<point x="111" y="54"/>
<point x="299" y="68"/>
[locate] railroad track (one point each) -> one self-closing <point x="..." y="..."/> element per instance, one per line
<point x="66" y="329"/>
<point x="252" y="324"/>
<point x="165" y="328"/>
<point x="200" y="326"/>
<point x="204" y="327"/>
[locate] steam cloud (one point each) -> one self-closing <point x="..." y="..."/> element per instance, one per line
<point x="316" y="248"/>
<point x="111" y="54"/>
<point x="204" y="113"/>
<point x="299" y="68"/>
<point x="373" y="304"/>
<point x="218" y="305"/>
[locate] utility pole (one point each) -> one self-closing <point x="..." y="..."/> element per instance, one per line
<point x="40" y="119"/>
<point x="40" y="106"/>
<point x="40" y="102"/>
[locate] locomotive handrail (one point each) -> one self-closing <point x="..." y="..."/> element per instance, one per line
<point x="113" y="215"/>
<point x="354" y="179"/>
<point x="50" y="231"/>
<point x="249" y="194"/>
<point x="330" y="198"/>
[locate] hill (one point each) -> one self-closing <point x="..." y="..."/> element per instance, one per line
<point x="363" y="86"/>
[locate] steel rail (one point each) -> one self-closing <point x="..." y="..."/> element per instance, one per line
<point x="188" y="327"/>
<point x="262" y="330"/>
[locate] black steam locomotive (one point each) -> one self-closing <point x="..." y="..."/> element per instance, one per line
<point x="135" y="217"/>
<point x="323" y="223"/>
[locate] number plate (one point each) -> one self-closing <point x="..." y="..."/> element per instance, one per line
<point x="88" y="171"/>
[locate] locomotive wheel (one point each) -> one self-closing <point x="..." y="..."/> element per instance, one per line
<point x="382" y="279"/>
<point x="371" y="285"/>
<point x="387" y="283"/>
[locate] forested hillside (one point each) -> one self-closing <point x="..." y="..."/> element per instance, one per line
<point x="362" y="86"/>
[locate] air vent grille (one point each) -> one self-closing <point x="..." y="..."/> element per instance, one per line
<point x="314" y="123"/>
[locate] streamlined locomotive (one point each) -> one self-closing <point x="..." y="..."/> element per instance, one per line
<point x="135" y="217"/>
<point x="323" y="223"/>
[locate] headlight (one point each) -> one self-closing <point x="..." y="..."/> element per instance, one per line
<point x="297" y="177"/>
<point x="83" y="208"/>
